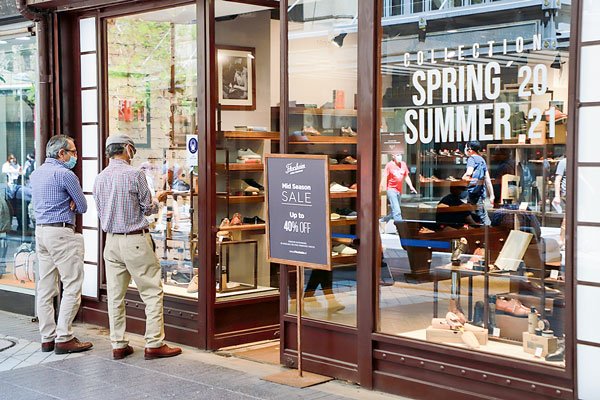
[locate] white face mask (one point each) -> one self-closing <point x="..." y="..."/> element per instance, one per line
<point x="398" y="158"/>
<point x="130" y="153"/>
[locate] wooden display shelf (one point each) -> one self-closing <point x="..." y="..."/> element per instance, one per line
<point x="343" y="195"/>
<point x="343" y="259"/>
<point x="251" y="135"/>
<point x="445" y="183"/>
<point x="243" y="199"/>
<point x="542" y="161"/>
<point x="444" y="159"/>
<point x="241" y="167"/>
<point x="343" y="222"/>
<point x="342" y="167"/>
<point x="323" y="111"/>
<point x="245" y="227"/>
<point x="324" y="140"/>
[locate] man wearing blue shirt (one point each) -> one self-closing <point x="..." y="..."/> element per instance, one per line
<point x="57" y="198"/>
<point x="479" y="185"/>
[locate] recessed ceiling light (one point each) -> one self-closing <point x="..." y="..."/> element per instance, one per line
<point x="452" y="31"/>
<point x="3" y="42"/>
<point x="23" y="38"/>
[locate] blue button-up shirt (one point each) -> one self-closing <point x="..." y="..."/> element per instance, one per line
<point x="53" y="186"/>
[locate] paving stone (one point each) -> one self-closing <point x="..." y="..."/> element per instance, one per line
<point x="94" y="375"/>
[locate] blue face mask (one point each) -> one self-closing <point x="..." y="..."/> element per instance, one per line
<point x="71" y="163"/>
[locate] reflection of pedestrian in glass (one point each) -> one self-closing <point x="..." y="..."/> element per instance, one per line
<point x="560" y="194"/>
<point x="325" y="279"/>
<point x="13" y="171"/>
<point x="452" y="210"/>
<point x="480" y="185"/>
<point x="29" y="166"/>
<point x="394" y="174"/>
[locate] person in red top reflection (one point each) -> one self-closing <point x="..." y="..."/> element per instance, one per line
<point x="394" y="175"/>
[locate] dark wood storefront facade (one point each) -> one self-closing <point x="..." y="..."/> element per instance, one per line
<point x="374" y="360"/>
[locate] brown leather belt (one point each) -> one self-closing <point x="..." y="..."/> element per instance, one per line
<point x="59" y="225"/>
<point x="138" y="232"/>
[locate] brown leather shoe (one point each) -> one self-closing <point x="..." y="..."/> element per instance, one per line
<point x="72" y="346"/>
<point x="47" y="347"/>
<point x="119" y="354"/>
<point x="163" y="351"/>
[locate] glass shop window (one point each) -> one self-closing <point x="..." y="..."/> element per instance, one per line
<point x="152" y="63"/>
<point x="473" y="184"/>
<point x="246" y="131"/>
<point x="323" y="58"/>
<point x="19" y="157"/>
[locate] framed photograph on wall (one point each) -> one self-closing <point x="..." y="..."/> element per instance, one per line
<point x="236" y="78"/>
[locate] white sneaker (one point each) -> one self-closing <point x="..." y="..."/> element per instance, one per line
<point x="248" y="154"/>
<point x="337" y="188"/>
<point x="344" y="250"/>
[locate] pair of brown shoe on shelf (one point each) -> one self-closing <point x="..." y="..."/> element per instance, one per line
<point x="150" y="353"/>
<point x="224" y="234"/>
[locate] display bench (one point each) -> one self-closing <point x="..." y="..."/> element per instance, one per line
<point x="518" y="316"/>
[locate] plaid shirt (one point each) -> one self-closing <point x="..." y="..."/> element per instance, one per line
<point x="53" y="186"/>
<point x="123" y="198"/>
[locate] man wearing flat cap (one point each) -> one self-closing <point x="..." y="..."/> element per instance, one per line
<point x="123" y="200"/>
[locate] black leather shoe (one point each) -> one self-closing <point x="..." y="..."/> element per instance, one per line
<point x="253" y="183"/>
<point x="253" y="220"/>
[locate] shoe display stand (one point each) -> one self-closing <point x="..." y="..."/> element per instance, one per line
<point x="332" y="132"/>
<point x="502" y="325"/>
<point x="534" y="166"/>
<point x="230" y="253"/>
<point x="176" y="246"/>
<point x="233" y="197"/>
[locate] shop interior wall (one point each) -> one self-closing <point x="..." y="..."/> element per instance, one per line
<point x="251" y="30"/>
<point x="314" y="73"/>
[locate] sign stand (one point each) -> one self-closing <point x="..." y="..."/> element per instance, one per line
<point x="298" y="232"/>
<point x="298" y="378"/>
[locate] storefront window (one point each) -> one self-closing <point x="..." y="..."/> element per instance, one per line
<point x="473" y="183"/>
<point x="245" y="134"/>
<point x="322" y="40"/>
<point x="18" y="82"/>
<point x="152" y="98"/>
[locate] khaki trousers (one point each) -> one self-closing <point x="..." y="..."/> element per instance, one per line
<point x="126" y="257"/>
<point x="60" y="256"/>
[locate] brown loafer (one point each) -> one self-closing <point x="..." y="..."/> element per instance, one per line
<point x="119" y="354"/>
<point x="72" y="346"/>
<point x="47" y="347"/>
<point x="163" y="351"/>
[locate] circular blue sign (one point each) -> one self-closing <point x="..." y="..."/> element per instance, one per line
<point x="193" y="145"/>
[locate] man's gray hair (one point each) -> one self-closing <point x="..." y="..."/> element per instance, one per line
<point x="56" y="144"/>
<point x="115" y="149"/>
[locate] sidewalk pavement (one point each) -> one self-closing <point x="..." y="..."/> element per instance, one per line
<point x="28" y="374"/>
